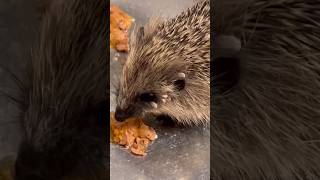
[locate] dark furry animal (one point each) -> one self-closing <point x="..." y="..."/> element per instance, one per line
<point x="266" y="98"/>
<point x="62" y="100"/>
<point x="167" y="72"/>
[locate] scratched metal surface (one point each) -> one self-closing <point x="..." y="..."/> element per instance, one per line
<point x="178" y="153"/>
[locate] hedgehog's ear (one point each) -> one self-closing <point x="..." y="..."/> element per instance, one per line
<point x="180" y="83"/>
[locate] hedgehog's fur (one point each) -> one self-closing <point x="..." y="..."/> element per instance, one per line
<point x="267" y="125"/>
<point x="162" y="53"/>
<point x="65" y="90"/>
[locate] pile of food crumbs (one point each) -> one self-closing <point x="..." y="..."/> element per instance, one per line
<point x="120" y="23"/>
<point x="132" y="134"/>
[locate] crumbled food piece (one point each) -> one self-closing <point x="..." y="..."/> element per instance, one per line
<point x="120" y="23"/>
<point x="133" y="134"/>
<point x="140" y="146"/>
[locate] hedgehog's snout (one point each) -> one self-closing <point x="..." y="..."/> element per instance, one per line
<point x="122" y="114"/>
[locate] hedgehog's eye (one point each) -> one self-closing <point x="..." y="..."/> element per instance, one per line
<point x="148" y="97"/>
<point x="179" y="84"/>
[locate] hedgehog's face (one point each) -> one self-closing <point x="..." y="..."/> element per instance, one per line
<point x="146" y="94"/>
<point x="137" y="105"/>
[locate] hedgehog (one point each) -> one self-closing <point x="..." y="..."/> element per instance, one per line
<point x="266" y="99"/>
<point x="63" y="100"/>
<point x="167" y="71"/>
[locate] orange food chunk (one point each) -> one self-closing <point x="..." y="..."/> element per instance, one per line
<point x="120" y="23"/>
<point x="132" y="133"/>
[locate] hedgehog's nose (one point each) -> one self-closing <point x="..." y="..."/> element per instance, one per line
<point x="121" y="115"/>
